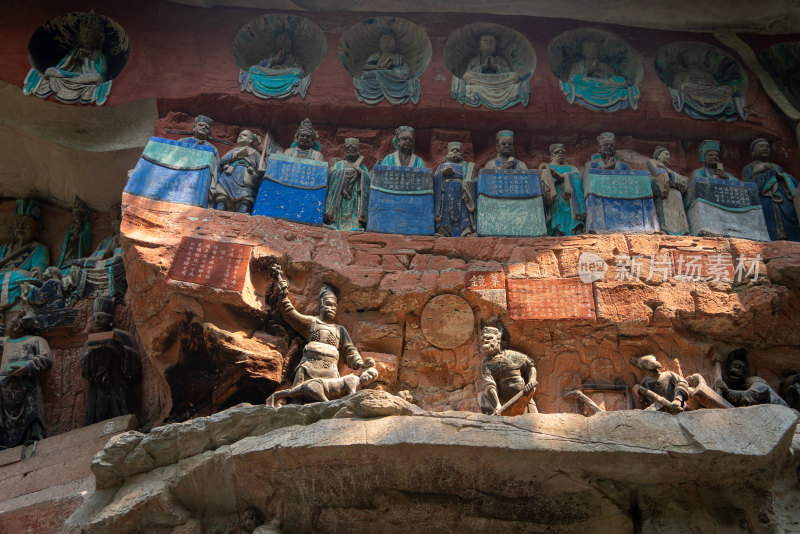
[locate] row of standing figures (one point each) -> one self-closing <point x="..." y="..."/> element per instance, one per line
<point x="242" y="169"/>
<point x="509" y="377"/>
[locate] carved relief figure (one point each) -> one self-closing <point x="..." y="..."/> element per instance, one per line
<point x="24" y="259"/>
<point x="306" y="144"/>
<point x="567" y="211"/>
<point x="742" y="390"/>
<point x="712" y="166"/>
<point x="21" y="408"/>
<point x="504" y="140"/>
<point x="103" y="272"/>
<point x="327" y="341"/>
<point x="703" y="81"/>
<point x="240" y="172"/>
<point x="454" y="194"/>
<point x="348" y="190"/>
<point x="110" y="362"/>
<point x="278" y="75"/>
<point x="78" y="238"/>
<point x="507" y="375"/>
<point x="778" y="190"/>
<point x="201" y="133"/>
<point x="82" y="75"/>
<point x="606" y="155"/>
<point x="325" y="389"/>
<point x="668" y="189"/>
<point x="404" y="155"/>
<point x="489" y="80"/>
<point x="665" y="391"/>
<point x="386" y="75"/>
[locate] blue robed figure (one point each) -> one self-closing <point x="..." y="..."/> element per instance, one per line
<point x="454" y="194"/>
<point x="593" y="83"/>
<point x="778" y="191"/>
<point x="24" y="259"/>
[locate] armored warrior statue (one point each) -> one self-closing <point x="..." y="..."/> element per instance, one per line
<point x="742" y="390"/>
<point x="507" y="375"/>
<point x="327" y="341"/>
<point x="666" y="391"/>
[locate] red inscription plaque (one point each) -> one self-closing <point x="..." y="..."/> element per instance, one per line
<point x="560" y="298"/>
<point x="691" y="265"/>
<point x="211" y="263"/>
<point x="476" y="280"/>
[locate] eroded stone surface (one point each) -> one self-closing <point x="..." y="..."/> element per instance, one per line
<point x="344" y="466"/>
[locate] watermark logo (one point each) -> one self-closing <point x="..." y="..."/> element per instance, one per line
<point x="591" y="267"/>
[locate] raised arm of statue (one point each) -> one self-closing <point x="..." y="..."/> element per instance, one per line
<point x="301" y="323"/>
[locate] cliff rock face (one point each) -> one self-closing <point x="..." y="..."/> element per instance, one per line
<point x="218" y="347"/>
<point x="372" y="462"/>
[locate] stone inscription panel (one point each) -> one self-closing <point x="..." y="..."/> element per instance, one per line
<point x="477" y="280"/>
<point x="725" y="193"/>
<point x="543" y="299"/>
<point x="401" y="201"/>
<point x="211" y="263"/>
<point x="293" y="189"/>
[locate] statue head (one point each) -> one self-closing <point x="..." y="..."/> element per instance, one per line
<point x="487" y="44"/>
<point x="759" y="148"/>
<point x="14" y="328"/>
<point x="455" y="152"/>
<point x="690" y="58"/>
<point x="589" y="50"/>
<point x="351" y="148"/>
<point x="27" y="221"/>
<point x="647" y="363"/>
<point x="328" y="302"/>
<point x="368" y="372"/>
<point x="404" y="139"/>
<point x="709" y="152"/>
<point x="606" y="144"/>
<point x="558" y="153"/>
<point x="247" y="139"/>
<point x="387" y="43"/>
<point x="662" y="155"/>
<point x="491" y="338"/>
<point x="737" y="365"/>
<point x="103" y="314"/>
<point x="305" y="136"/>
<point x="80" y="211"/>
<point x="252" y="518"/>
<point x="504" y="140"/>
<point x="91" y="31"/>
<point x="202" y="127"/>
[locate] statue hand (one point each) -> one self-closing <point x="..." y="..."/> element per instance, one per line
<point x="719" y="173"/>
<point x="508" y="165"/>
<point x="722" y="386"/>
<point x="675" y="407"/>
<point x="448" y="171"/>
<point x="528" y="388"/>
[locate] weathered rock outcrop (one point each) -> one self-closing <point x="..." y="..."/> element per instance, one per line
<point x="344" y="466"/>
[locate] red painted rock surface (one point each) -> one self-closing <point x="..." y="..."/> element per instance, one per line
<point x="386" y="281"/>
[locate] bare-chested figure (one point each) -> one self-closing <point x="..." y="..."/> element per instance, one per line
<point x="325" y="389"/>
<point x="505" y="373"/>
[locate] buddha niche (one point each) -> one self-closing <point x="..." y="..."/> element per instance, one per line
<point x="386" y="75"/>
<point x="278" y="74"/>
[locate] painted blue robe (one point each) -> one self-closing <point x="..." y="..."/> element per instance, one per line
<point x="454" y="200"/>
<point x="18" y="270"/>
<point x="395" y="84"/>
<point x="777" y="189"/>
<point x="85" y="83"/>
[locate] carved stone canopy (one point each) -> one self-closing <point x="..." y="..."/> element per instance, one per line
<point x="463" y="45"/>
<point x="56" y="37"/>
<point x="361" y="40"/>
<point x="623" y="59"/>
<point x="719" y="64"/>
<point x="257" y="39"/>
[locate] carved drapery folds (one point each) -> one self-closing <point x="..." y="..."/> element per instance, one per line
<point x="386" y="56"/>
<point x="491" y="65"/>
<point x="597" y="69"/>
<point x="277" y="54"/>
<point x="704" y="81"/>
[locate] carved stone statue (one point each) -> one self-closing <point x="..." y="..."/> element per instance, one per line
<point x="386" y="75"/>
<point x="103" y="272"/>
<point x="306" y="144"/>
<point x="109" y="246"/>
<point x="567" y="211"/>
<point x="404" y="155"/>
<point x="595" y="83"/>
<point x="695" y="90"/>
<point x="489" y="80"/>
<point x="668" y="189"/>
<point x="110" y="362"/>
<point x="21" y="408"/>
<point x="712" y="166"/>
<point x="504" y="139"/>
<point x="665" y="391"/>
<point x="790" y="390"/>
<point x="53" y="294"/>
<point x="742" y="390"/>
<point x="348" y="190"/>
<point x="507" y="375"/>
<point x="278" y="75"/>
<point x="778" y="190"/>
<point x="201" y="133"/>
<point x="82" y="75"/>
<point x="24" y="259"/>
<point x="606" y="155"/>
<point x="327" y="341"/>
<point x="325" y="389"/>
<point x="78" y="238"/>
<point x="454" y="194"/>
<point x="240" y="172"/>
